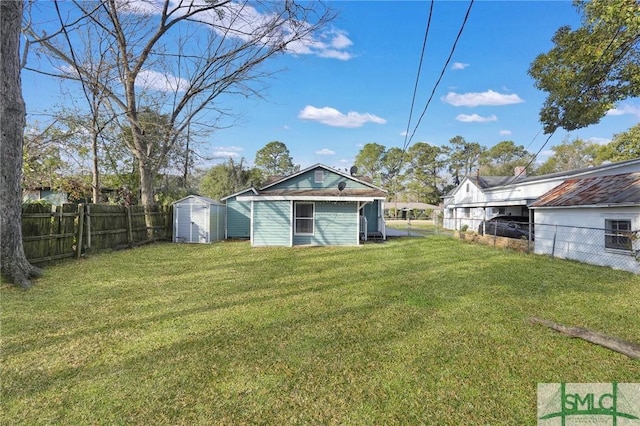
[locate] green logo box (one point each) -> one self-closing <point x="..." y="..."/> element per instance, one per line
<point x="567" y="404"/>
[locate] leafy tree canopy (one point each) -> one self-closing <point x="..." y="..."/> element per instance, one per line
<point x="462" y="157"/>
<point x="228" y="178"/>
<point x="274" y="159"/>
<point x="591" y="68"/>
<point x="569" y="156"/>
<point x="502" y="158"/>
<point x="369" y="161"/>
<point x="624" y="146"/>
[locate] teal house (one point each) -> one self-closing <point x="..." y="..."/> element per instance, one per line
<point x="315" y="206"/>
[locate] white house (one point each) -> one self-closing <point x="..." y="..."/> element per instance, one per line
<point x="593" y="219"/>
<point x="482" y="197"/>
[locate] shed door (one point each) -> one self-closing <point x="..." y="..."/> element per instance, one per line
<point x="199" y="222"/>
<point x="191" y="220"/>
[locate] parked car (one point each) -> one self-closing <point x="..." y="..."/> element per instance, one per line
<point x="507" y="226"/>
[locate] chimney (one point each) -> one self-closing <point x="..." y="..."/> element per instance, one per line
<point x="520" y="171"/>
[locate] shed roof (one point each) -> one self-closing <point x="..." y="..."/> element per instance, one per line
<point x="203" y="199"/>
<point x="612" y="190"/>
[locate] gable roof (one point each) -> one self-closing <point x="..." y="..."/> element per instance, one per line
<point x="252" y="189"/>
<point x="273" y="191"/>
<point x="358" y="179"/>
<point x="496" y="182"/>
<point x="611" y="190"/>
<point x="205" y="200"/>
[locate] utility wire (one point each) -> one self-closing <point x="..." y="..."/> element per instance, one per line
<point x="444" y="68"/>
<point x="415" y="87"/>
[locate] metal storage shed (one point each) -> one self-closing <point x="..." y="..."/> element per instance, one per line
<point x="198" y="219"/>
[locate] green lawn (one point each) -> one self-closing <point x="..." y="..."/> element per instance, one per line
<point x="413" y="331"/>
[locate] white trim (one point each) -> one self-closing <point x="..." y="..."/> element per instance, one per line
<point x="307" y="198"/>
<point x="251" y="226"/>
<point x="252" y="189"/>
<point x="291" y="222"/>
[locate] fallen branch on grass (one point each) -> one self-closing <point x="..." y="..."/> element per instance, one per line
<point x="629" y="349"/>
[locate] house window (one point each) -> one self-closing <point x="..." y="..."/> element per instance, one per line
<point x="502" y="210"/>
<point x="304" y="218"/>
<point x="319" y="176"/>
<point x="617" y="234"/>
<point x="467" y="187"/>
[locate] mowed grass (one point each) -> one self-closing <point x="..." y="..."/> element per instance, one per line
<point x="412" y="331"/>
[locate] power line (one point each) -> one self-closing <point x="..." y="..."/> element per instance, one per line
<point x="415" y="87"/>
<point x="444" y="68"/>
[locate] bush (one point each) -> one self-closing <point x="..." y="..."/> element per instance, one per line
<point x="464" y="228"/>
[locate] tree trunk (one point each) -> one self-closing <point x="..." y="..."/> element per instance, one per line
<point x="95" y="181"/>
<point x="146" y="194"/>
<point x="13" y="262"/>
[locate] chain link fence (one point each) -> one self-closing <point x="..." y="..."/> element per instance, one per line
<point x="619" y="249"/>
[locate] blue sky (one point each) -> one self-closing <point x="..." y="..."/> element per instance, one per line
<point x="327" y="104"/>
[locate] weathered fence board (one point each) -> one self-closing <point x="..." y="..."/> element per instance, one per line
<point x="48" y="235"/>
<point x="70" y="230"/>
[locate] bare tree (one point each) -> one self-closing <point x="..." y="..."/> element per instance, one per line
<point x="13" y="261"/>
<point x="180" y="59"/>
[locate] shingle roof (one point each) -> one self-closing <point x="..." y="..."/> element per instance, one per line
<point x="622" y="189"/>
<point x="331" y="192"/>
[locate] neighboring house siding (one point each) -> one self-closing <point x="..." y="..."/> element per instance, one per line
<point x="584" y="242"/>
<point x="238" y="218"/>
<point x="271" y="223"/>
<point x="307" y="181"/>
<point x="334" y="224"/>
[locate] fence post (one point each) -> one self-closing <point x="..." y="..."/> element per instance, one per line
<point x="553" y="247"/>
<point x="80" y="230"/>
<point x="129" y="225"/>
<point x="88" y="219"/>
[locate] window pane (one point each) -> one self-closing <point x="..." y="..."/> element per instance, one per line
<point x="303" y="218"/>
<point x="304" y="226"/>
<point x="304" y="210"/>
<point x="617" y="234"/>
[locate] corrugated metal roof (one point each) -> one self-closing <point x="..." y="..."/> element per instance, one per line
<point x="600" y="190"/>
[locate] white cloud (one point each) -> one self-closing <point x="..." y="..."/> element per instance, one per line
<point x="333" y="117"/>
<point x="331" y="44"/>
<point x="599" y="141"/>
<point x="625" y="109"/>
<point x="325" y="151"/>
<point x="242" y="21"/>
<point x="475" y="118"/>
<point x="226" y="151"/>
<point x="458" y="66"/>
<point x="504" y="132"/>
<point x="474" y="99"/>
<point x="162" y="82"/>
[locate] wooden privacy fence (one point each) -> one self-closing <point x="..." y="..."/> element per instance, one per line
<point x="71" y="230"/>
